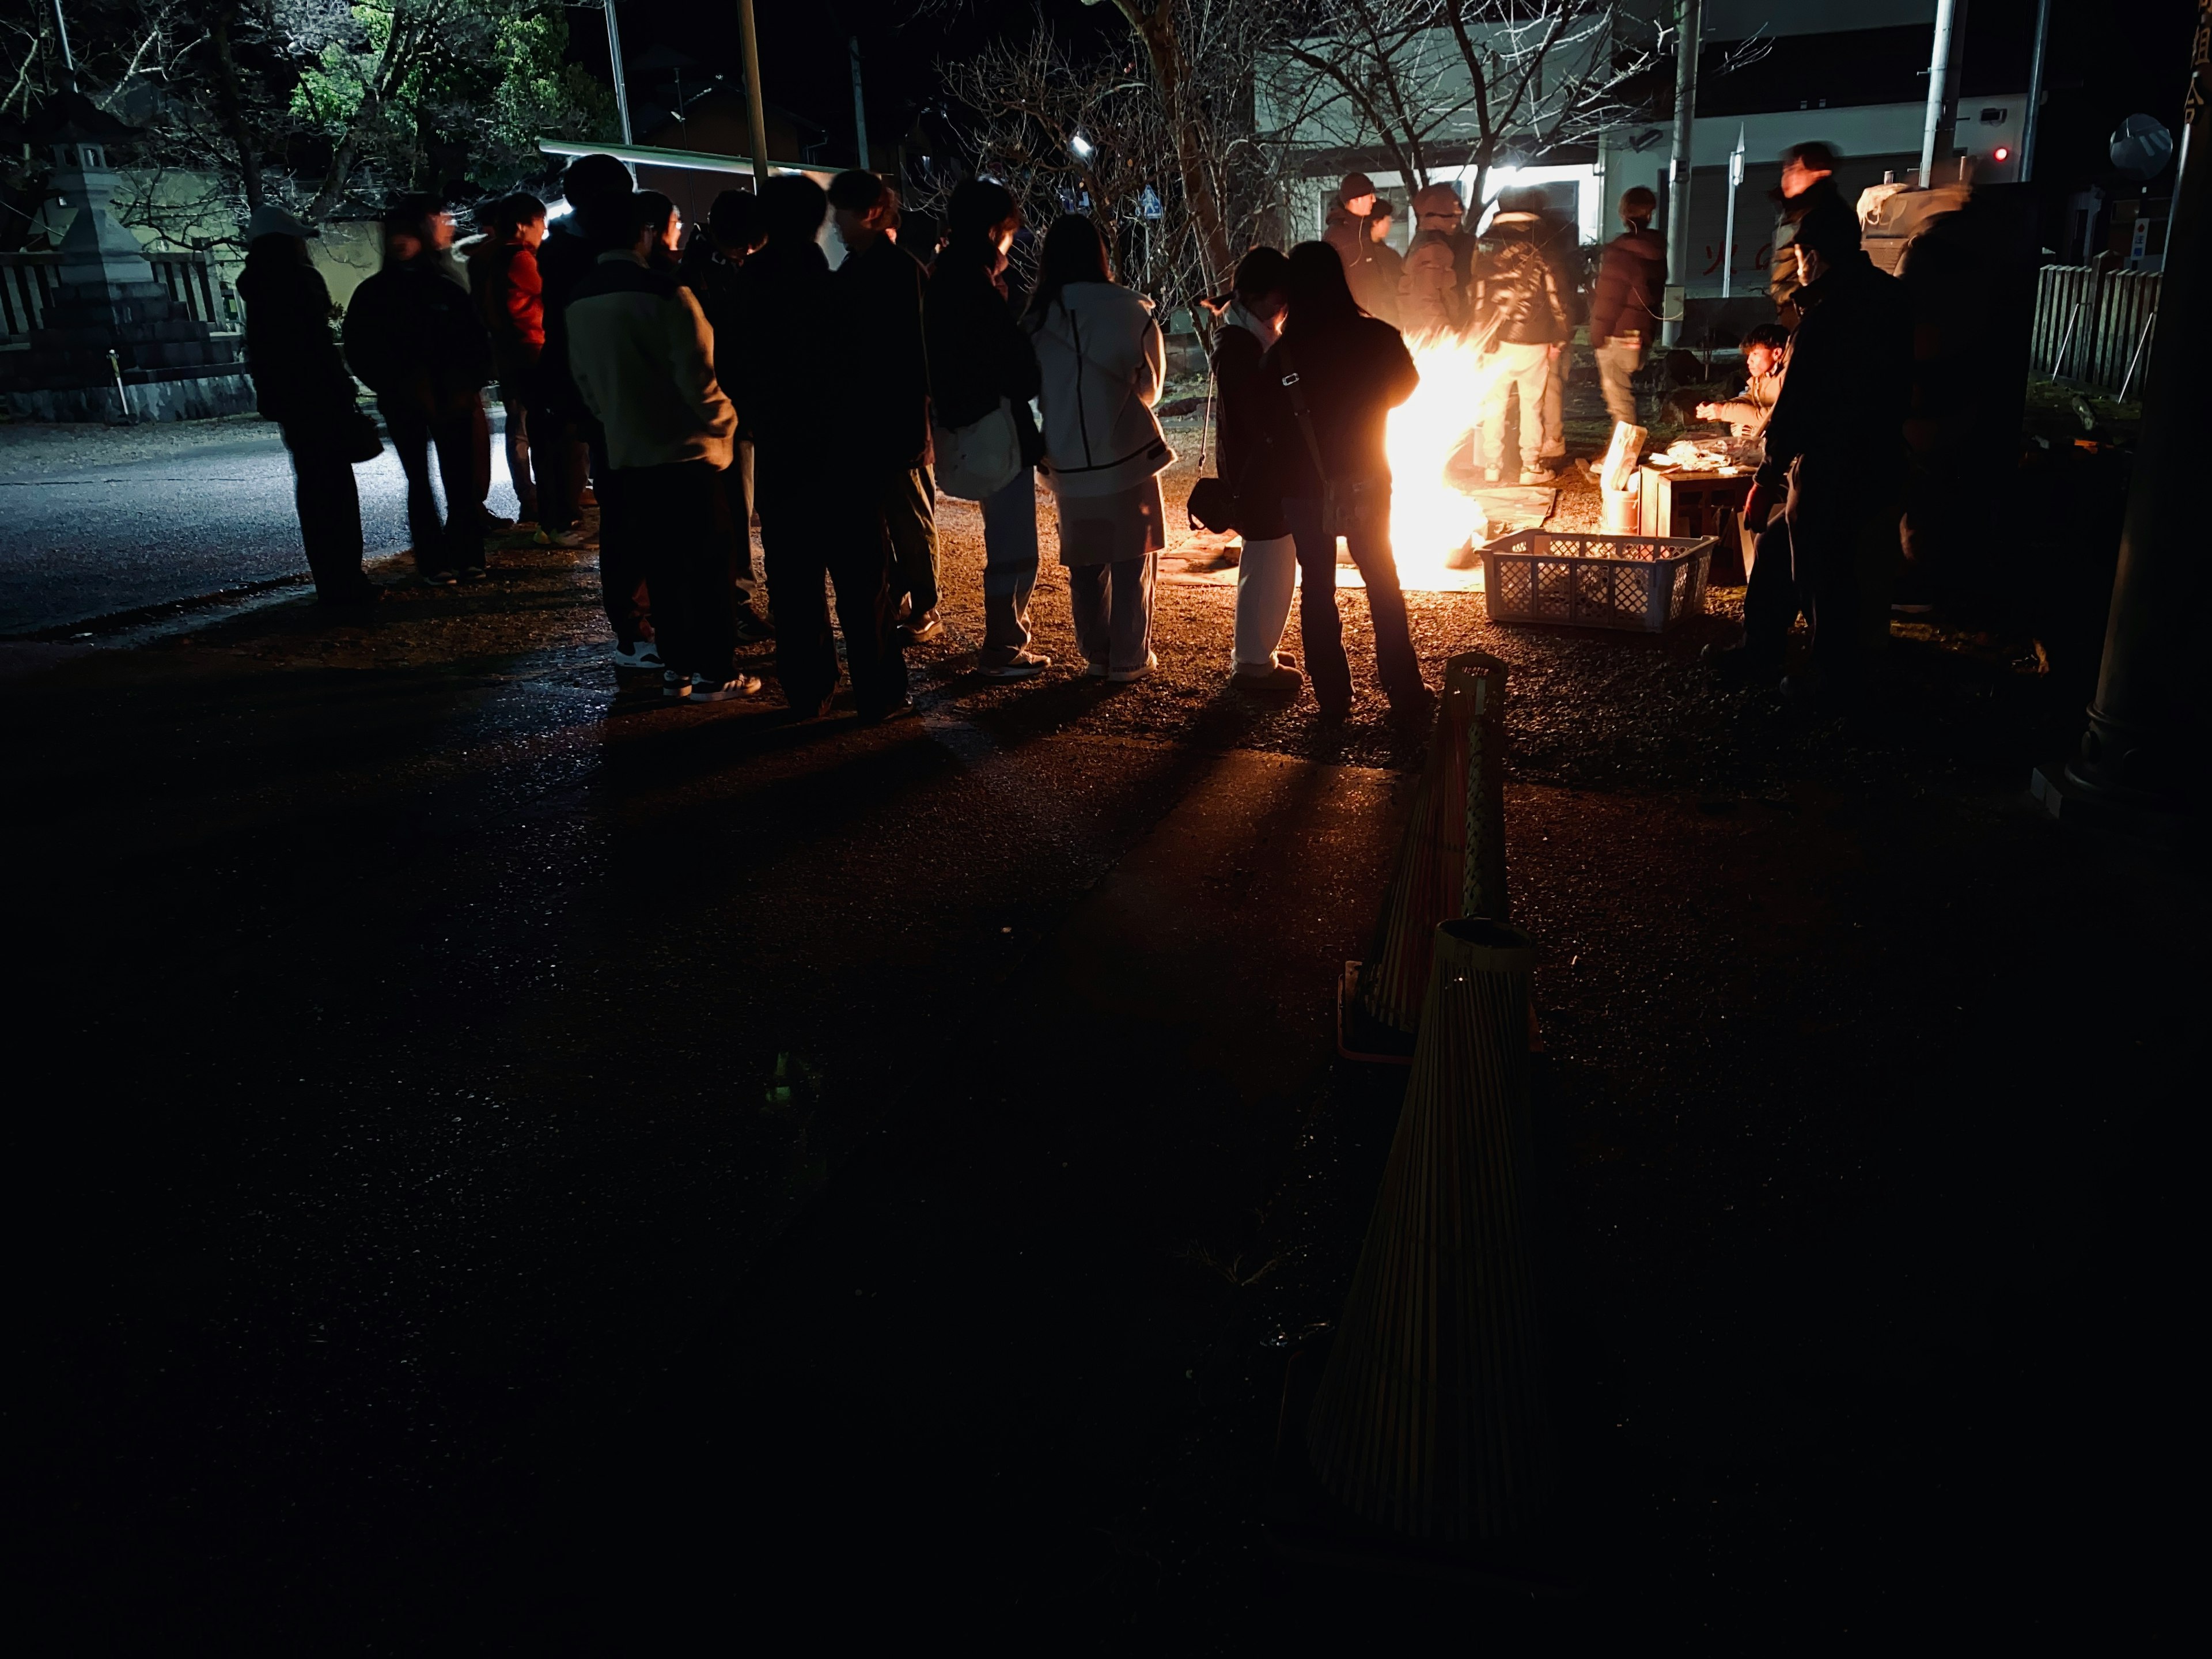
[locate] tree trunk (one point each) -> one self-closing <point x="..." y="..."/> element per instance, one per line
<point x="1154" y="25"/>
<point x="231" y="108"/>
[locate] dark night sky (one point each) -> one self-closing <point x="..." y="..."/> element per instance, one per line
<point x="2108" y="59"/>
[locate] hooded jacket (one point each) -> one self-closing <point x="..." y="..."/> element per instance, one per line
<point x="1631" y="286"/>
<point x="413" y="335"/>
<point x="643" y="359"/>
<point x="1429" y="287"/>
<point x="1101" y="361"/>
<point x="299" y="378"/>
<point x="1517" y="288"/>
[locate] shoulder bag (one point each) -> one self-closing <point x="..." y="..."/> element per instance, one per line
<point x="1347" y="504"/>
<point x="978" y="460"/>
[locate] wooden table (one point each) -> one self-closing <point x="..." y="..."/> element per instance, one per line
<point x="1674" y="502"/>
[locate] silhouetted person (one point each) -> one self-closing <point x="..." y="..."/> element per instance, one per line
<point x="1331" y="382"/>
<point x="413" y="335"/>
<point x="510" y="298"/>
<point x="883" y="400"/>
<point x="300" y="381"/>
<point x="642" y="359"/>
<point x="598" y="189"/>
<point x="1517" y="297"/>
<point x="1267" y="570"/>
<point x="1624" y="317"/>
<point x="792" y="407"/>
<point x="712" y="258"/>
<point x="1809" y="198"/>
<point x="981" y="362"/>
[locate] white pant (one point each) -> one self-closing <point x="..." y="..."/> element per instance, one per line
<point x="1267" y="576"/>
<point x="1528" y="367"/>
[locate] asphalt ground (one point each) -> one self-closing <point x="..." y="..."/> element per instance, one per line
<point x="506" y="1167"/>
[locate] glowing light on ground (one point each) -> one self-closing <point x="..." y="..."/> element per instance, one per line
<point x="1432" y="518"/>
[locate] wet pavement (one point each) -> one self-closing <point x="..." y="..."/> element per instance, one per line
<point x="507" y="1170"/>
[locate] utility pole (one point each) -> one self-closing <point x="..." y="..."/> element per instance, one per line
<point x="1687" y="28"/>
<point x="614" y="52"/>
<point x="755" y="112"/>
<point x="68" y="58"/>
<point x="1943" y="63"/>
<point x="2136" y="756"/>
<point x="2034" y="120"/>
<point x="1727" y="237"/>
<point x="860" y="106"/>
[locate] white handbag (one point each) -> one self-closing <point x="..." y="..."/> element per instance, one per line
<point x="980" y="458"/>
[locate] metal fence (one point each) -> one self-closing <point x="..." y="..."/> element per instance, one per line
<point x="2095" y="325"/>
<point x="28" y="281"/>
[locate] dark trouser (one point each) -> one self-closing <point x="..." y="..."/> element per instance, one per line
<point x="675" y="518"/>
<point x="910" y="511"/>
<point x="518" y="457"/>
<point x="1323" y="629"/>
<point x="329" y="512"/>
<point x="456" y="544"/>
<point x="625" y="548"/>
<point x="560" y="460"/>
<point x="1770" y="599"/>
<point x="810" y="526"/>
<point x="1843" y="539"/>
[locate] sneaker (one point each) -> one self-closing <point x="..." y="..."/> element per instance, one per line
<point x="1538" y="475"/>
<point x="437" y="579"/>
<point x="1023" y="664"/>
<point x="926" y="626"/>
<point x="708" y="688"/>
<point x="1094" y="670"/>
<point x="562" y="539"/>
<point x="1276" y="680"/>
<point x="644" y="655"/>
<point x="1124" y="676"/>
<point x="492" y="525"/>
<point x="899" y="710"/>
<point x="473" y="573"/>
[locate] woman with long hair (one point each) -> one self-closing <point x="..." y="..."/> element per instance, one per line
<point x="1102" y="362"/>
<point x="1330" y="382"/>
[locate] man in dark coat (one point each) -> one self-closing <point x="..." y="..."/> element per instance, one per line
<point x="1809" y="198"/>
<point x="300" y="382"/>
<point x="802" y="472"/>
<point x="597" y="190"/>
<point x="979" y="357"/>
<point x="1631" y="286"/>
<point x="712" y="259"/>
<point x="413" y="335"/>
<point x="1836" y="442"/>
<point x="883" y="401"/>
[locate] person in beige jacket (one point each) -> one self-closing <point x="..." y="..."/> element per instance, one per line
<point x="644" y="360"/>
<point x="1765" y="361"/>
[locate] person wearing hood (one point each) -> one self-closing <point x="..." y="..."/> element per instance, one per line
<point x="413" y="336"/>
<point x="1808" y="196"/>
<point x="1517" y="296"/>
<point x="1631" y="286"/>
<point x="1429" y="297"/>
<point x="1267" y="570"/>
<point x="883" y="405"/>
<point x="1102" y="362"/>
<point x="300" y="382"/>
<point x="598" y="189"/>
<point x="798" y="439"/>
<point x="980" y="358"/>
<point x="1836" y="444"/>
<point x="1330" y="381"/>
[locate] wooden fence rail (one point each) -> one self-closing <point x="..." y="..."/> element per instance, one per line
<point x="2096" y="325"/>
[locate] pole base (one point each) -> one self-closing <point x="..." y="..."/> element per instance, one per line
<point x="1306" y="1525"/>
<point x="2080" y="808"/>
<point x="1359" y="1035"/>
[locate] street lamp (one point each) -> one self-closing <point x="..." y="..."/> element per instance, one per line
<point x="1081" y="146"/>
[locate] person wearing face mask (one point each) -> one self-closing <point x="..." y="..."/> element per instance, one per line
<point x="978" y="358"/>
<point x="414" y="338"/>
<point x="1835" y="444"/>
<point x="1268" y="571"/>
<point x="642" y="358"/>
<point x="1809" y="199"/>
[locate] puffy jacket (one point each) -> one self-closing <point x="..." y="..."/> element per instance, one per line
<point x="1102" y="364"/>
<point x="978" y="353"/>
<point x="1631" y="286"/>
<point x="1353" y="372"/>
<point x="413" y="335"/>
<point x="1428" y="289"/>
<point x="884" y="404"/>
<point x="644" y="360"/>
<point x="299" y="378"/>
<point x="1517" y="288"/>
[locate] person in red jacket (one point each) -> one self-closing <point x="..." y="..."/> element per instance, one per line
<point x="1632" y="285"/>
<point x="510" y="298"/>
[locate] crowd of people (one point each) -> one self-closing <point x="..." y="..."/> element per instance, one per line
<point x="687" y="386"/>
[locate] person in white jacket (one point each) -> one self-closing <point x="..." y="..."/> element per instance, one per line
<point x="1103" y="362"/>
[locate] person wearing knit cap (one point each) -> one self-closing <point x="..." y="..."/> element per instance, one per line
<point x="1350" y="231"/>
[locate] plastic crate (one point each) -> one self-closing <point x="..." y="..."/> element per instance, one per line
<point x="1643" y="583"/>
